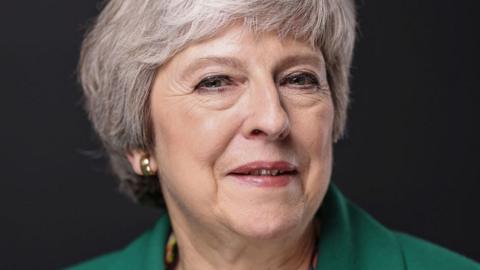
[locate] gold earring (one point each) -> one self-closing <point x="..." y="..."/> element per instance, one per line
<point x="145" y="166"/>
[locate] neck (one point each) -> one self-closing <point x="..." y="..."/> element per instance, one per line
<point x="217" y="249"/>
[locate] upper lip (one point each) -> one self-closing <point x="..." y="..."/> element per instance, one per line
<point x="282" y="166"/>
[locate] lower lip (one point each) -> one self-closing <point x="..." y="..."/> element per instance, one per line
<point x="264" y="181"/>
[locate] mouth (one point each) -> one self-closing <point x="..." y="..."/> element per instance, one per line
<point x="265" y="173"/>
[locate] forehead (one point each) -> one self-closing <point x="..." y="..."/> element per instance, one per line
<point x="241" y="43"/>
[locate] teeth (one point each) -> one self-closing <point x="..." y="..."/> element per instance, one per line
<point x="263" y="172"/>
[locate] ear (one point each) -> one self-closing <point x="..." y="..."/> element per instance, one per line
<point x="135" y="156"/>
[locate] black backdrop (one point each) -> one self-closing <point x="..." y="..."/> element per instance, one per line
<point x="410" y="158"/>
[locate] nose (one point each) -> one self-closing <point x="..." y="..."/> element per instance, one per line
<point x="267" y="117"/>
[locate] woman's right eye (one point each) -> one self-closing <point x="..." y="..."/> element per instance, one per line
<point x="215" y="83"/>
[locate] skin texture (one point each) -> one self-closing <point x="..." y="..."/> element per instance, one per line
<point x="260" y="104"/>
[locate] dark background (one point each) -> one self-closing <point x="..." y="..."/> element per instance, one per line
<point x="410" y="158"/>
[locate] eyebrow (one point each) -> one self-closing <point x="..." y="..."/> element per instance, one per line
<point x="292" y="60"/>
<point x="286" y="62"/>
<point x="213" y="60"/>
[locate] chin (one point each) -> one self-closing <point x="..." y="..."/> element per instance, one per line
<point x="267" y="221"/>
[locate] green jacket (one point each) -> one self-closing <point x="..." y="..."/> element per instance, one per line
<point x="349" y="239"/>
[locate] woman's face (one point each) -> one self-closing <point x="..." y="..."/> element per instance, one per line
<point x="243" y="133"/>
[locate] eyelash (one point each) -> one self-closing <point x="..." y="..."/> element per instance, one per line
<point x="226" y="81"/>
<point x="201" y="86"/>
<point x="312" y="80"/>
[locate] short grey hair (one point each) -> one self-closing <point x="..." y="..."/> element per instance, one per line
<point x="131" y="39"/>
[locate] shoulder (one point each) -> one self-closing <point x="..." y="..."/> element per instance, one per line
<point x="107" y="261"/>
<point x="118" y="260"/>
<point x="143" y="253"/>
<point x="419" y="254"/>
<point x="363" y="243"/>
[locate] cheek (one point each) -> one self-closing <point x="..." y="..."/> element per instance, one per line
<point x="199" y="136"/>
<point x="312" y="130"/>
<point x="188" y="141"/>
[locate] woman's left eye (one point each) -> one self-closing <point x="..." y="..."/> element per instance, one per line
<point x="302" y="80"/>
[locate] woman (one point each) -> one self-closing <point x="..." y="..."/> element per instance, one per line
<point x="225" y="113"/>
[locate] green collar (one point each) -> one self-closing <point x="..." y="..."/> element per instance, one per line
<point x="351" y="239"/>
